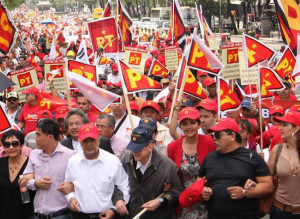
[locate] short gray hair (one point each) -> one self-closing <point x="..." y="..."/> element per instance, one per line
<point x="111" y="119"/>
<point x="76" y="112"/>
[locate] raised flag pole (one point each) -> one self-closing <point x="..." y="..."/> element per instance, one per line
<point x="172" y="107"/>
<point x="68" y="86"/>
<point x="219" y="96"/>
<point x="260" y="111"/>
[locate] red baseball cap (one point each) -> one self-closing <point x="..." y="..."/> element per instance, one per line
<point x="295" y="108"/>
<point x="223" y="124"/>
<point x="44" y="114"/>
<point x="88" y="130"/>
<point x="150" y="103"/>
<point x="154" y="52"/>
<point x="209" y="81"/>
<point x="201" y="73"/>
<point x="134" y="105"/>
<point x="157" y="40"/>
<point x="61" y="112"/>
<point x="247" y="89"/>
<point x="114" y="67"/>
<point x="188" y="113"/>
<point x="192" y="194"/>
<point x="38" y="69"/>
<point x="208" y="104"/>
<point x="147" y="65"/>
<point x="276" y="109"/>
<point x="31" y="90"/>
<point x="40" y="75"/>
<point x="290" y="117"/>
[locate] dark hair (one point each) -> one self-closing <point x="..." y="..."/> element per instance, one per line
<point x="245" y="124"/>
<point x="49" y="127"/>
<point x="298" y="140"/>
<point x="22" y="57"/>
<point x="117" y="91"/>
<point x="238" y="137"/>
<point x="79" y="94"/>
<point x="76" y="112"/>
<point x="111" y="119"/>
<point x="10" y="133"/>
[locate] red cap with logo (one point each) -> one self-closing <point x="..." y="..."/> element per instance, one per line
<point x="134" y="105"/>
<point x="114" y="67"/>
<point x="209" y="81"/>
<point x="208" y="104"/>
<point x="150" y="103"/>
<point x="188" y="113"/>
<point x="276" y="109"/>
<point x="223" y="124"/>
<point x="61" y="112"/>
<point x="295" y="107"/>
<point x="201" y="73"/>
<point x="88" y="130"/>
<point x="290" y="117"/>
<point x="31" y="90"/>
<point x="192" y="194"/>
<point x="44" y="114"/>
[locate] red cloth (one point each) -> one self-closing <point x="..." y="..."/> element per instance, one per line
<point x="276" y="140"/>
<point x="29" y="117"/>
<point x="269" y="135"/>
<point x="41" y="56"/>
<point x="92" y="117"/>
<point x="292" y="97"/>
<point x="161" y="59"/>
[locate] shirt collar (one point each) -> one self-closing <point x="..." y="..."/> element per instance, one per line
<point x="139" y="164"/>
<point x="99" y="158"/>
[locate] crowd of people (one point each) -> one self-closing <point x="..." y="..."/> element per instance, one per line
<point x="81" y="163"/>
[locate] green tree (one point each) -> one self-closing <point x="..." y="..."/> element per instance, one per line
<point x="11" y="4"/>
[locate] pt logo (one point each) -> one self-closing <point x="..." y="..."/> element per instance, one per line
<point x="135" y="58"/>
<point x="232" y="56"/>
<point x="25" y="79"/>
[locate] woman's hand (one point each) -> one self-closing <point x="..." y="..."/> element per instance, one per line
<point x="207" y="192"/>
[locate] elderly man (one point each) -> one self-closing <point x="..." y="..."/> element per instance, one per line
<point x="74" y="119"/>
<point x="94" y="173"/>
<point x="153" y="178"/>
<point x="45" y="171"/>
<point x="227" y="170"/>
<point x="106" y="126"/>
<point x="13" y="109"/>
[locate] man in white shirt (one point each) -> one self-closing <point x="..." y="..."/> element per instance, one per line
<point x="114" y="77"/>
<point x="94" y="173"/>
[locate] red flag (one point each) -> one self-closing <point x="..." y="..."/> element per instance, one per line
<point x="256" y="51"/>
<point x="288" y="13"/>
<point x="285" y="64"/>
<point x="57" y="71"/>
<point x="198" y="60"/>
<point x="124" y="23"/>
<point x="229" y="100"/>
<point x="99" y="97"/>
<point x="158" y="69"/>
<point x="269" y="81"/>
<point x="107" y="9"/>
<point x="192" y="86"/>
<point x="4" y="124"/>
<point x="8" y="33"/>
<point x="86" y="70"/>
<point x="135" y="81"/>
<point x="49" y="102"/>
<point x="177" y="29"/>
<point x="103" y="61"/>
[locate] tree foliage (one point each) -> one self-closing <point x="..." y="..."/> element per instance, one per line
<point x="11" y="4"/>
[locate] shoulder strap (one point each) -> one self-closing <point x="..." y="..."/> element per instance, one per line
<point x="120" y="123"/>
<point x="277" y="158"/>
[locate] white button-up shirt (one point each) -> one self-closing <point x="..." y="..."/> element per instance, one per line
<point x="94" y="182"/>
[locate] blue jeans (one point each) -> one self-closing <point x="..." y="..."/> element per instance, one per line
<point x="277" y="213"/>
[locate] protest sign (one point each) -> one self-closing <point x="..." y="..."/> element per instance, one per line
<point x="230" y="59"/>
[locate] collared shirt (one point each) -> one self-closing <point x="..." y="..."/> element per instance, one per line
<point x="76" y="145"/>
<point x="54" y="166"/>
<point x="125" y="129"/>
<point x="113" y="78"/>
<point x="117" y="145"/>
<point x="94" y="182"/>
<point x="142" y="167"/>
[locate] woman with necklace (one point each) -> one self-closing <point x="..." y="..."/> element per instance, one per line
<point x="11" y="167"/>
<point x="286" y="203"/>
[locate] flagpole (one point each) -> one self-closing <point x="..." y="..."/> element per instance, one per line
<point x="260" y="110"/>
<point x="173" y="104"/>
<point x="173" y="11"/>
<point x="68" y="88"/>
<point x="219" y="96"/>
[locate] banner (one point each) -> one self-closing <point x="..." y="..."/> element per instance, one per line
<point x="103" y="61"/>
<point x="213" y="42"/>
<point x="5" y="123"/>
<point x="59" y="79"/>
<point x="24" y="79"/>
<point x="158" y="69"/>
<point x="171" y="56"/>
<point x="86" y="70"/>
<point x="230" y="59"/>
<point x="49" y="102"/>
<point x="135" y="81"/>
<point x="49" y="41"/>
<point x="135" y="58"/>
<point x="248" y="75"/>
<point x="104" y="34"/>
<point x="229" y="99"/>
<point x="269" y="81"/>
<point x="285" y="64"/>
<point x="8" y="33"/>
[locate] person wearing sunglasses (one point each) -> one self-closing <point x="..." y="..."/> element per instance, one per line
<point x="11" y="167"/>
<point x="13" y="109"/>
<point x="227" y="170"/>
<point x="188" y="153"/>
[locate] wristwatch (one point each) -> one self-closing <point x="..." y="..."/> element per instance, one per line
<point x="161" y="200"/>
<point x="245" y="192"/>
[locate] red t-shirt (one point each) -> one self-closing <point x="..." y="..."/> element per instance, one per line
<point x="269" y="134"/>
<point x="29" y="117"/>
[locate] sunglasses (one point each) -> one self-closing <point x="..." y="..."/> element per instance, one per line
<point x="12" y="99"/>
<point x="218" y="135"/>
<point x="7" y="144"/>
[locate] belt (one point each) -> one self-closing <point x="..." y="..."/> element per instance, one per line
<point x="85" y="215"/>
<point x="289" y="208"/>
<point x="52" y="215"/>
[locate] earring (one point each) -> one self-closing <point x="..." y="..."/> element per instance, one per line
<point x="293" y="134"/>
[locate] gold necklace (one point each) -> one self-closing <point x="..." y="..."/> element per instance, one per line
<point x="294" y="170"/>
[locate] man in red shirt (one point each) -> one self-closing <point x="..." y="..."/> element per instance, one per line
<point x="28" y="116"/>
<point x="85" y="105"/>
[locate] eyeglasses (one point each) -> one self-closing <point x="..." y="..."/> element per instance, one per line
<point x="76" y="124"/>
<point x="7" y="144"/>
<point x="218" y="135"/>
<point x="12" y="99"/>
